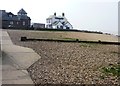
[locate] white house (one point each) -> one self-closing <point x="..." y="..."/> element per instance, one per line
<point x="58" y="22"/>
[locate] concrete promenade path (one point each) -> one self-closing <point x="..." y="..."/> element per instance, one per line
<point x="15" y="61"/>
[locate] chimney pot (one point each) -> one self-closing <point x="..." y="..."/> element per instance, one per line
<point x="55" y="14"/>
<point x="63" y="14"/>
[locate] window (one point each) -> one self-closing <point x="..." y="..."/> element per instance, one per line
<point x="18" y="18"/>
<point x="23" y="22"/>
<point x="61" y="27"/>
<point x="11" y="22"/>
<point x="49" y="21"/>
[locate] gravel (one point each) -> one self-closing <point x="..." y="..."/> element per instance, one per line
<point x="69" y="63"/>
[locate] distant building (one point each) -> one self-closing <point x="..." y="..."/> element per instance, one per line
<point x="58" y="22"/>
<point x="21" y="20"/>
<point x="38" y="26"/>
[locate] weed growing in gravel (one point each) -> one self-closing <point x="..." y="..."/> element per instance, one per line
<point x="114" y="52"/>
<point x="87" y="45"/>
<point x="112" y="70"/>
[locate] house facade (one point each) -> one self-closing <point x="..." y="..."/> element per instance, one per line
<point x="21" y="20"/>
<point x="58" y="22"/>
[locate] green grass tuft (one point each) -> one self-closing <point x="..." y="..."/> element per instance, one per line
<point x="112" y="70"/>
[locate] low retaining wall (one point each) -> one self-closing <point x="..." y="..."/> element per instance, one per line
<point x="76" y="41"/>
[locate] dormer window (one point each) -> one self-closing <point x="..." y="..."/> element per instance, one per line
<point x="10" y="15"/>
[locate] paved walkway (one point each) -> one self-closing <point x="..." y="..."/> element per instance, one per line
<point x="15" y="61"/>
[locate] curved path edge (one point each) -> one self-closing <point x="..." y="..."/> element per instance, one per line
<point x="15" y="61"/>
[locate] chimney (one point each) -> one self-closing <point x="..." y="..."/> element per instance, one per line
<point x="55" y="14"/>
<point x="63" y="14"/>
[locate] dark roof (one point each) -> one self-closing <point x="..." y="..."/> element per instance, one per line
<point x="63" y="23"/>
<point x="56" y="22"/>
<point x="22" y="11"/>
<point x="6" y="16"/>
<point x="58" y="18"/>
<point x="9" y="13"/>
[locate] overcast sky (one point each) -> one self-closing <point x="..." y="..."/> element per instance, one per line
<point x="95" y="15"/>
